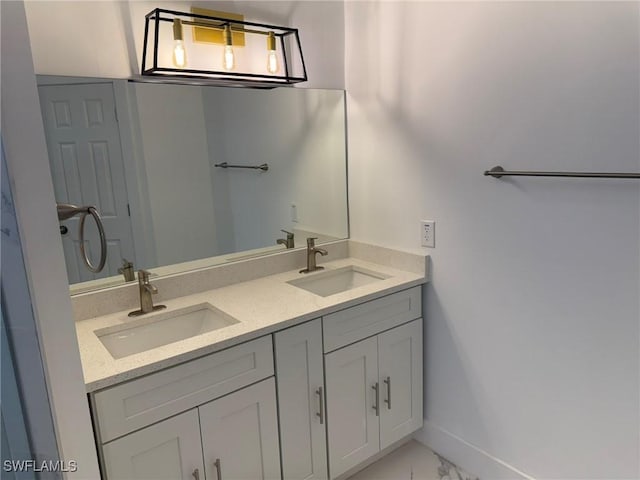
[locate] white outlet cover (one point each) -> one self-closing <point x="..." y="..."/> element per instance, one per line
<point x="428" y="233"/>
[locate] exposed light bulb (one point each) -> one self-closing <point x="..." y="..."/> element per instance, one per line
<point x="228" y="59"/>
<point x="272" y="62"/>
<point x="272" y="57"/>
<point x="179" y="52"/>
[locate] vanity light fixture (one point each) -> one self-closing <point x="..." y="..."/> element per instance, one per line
<point x="284" y="66"/>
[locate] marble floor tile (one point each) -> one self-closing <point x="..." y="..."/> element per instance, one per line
<point x="412" y="461"/>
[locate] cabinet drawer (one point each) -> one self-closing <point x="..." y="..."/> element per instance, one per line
<point x="135" y="404"/>
<point x="355" y="323"/>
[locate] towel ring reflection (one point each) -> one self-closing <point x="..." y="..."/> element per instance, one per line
<point x="66" y="211"/>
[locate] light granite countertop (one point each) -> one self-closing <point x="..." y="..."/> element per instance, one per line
<point x="261" y="306"/>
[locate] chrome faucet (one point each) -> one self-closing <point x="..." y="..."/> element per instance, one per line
<point x="289" y="242"/>
<point x="146" y="289"/>
<point x="312" y="250"/>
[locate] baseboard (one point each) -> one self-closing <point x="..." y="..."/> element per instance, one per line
<point x="467" y="456"/>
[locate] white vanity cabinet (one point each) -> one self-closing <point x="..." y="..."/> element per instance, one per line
<point x="309" y="402"/>
<point x="300" y="380"/>
<point x="373" y="386"/>
<point x="213" y="418"/>
<point x="237" y="434"/>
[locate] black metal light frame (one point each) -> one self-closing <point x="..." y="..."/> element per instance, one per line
<point x="155" y="73"/>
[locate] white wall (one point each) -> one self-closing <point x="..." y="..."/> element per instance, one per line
<point x="105" y="38"/>
<point x="532" y="315"/>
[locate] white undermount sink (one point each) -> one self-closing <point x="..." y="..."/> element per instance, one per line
<point x="330" y="282"/>
<point x="163" y="328"/>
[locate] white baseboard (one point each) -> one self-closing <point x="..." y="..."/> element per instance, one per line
<point x="467" y="456"/>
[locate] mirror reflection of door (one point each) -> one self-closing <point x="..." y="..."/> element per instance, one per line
<point x="85" y="155"/>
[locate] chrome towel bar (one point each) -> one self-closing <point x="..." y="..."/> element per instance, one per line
<point x="498" y="171"/>
<point x="264" y="167"/>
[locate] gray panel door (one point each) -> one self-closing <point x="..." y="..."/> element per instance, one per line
<point x="86" y="161"/>
<point x="300" y="379"/>
<point x="353" y="425"/>
<point x="240" y="434"/>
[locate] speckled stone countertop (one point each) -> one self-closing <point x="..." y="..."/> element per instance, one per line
<point x="261" y="306"/>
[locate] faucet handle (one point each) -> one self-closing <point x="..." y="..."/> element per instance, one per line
<point x="311" y="242"/>
<point x="289" y="234"/>
<point x="143" y="275"/>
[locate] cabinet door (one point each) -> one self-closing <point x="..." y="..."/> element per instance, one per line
<point x="168" y="450"/>
<point x="400" y="368"/>
<point x="240" y="435"/>
<point x="300" y="380"/>
<point x="352" y="421"/>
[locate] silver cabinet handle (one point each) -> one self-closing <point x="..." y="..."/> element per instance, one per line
<point x="320" y="414"/>
<point x="218" y="468"/>
<point x="196" y="474"/>
<point x="388" y="400"/>
<point x="376" y="407"/>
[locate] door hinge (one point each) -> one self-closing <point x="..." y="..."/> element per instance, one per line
<point x="128" y="209"/>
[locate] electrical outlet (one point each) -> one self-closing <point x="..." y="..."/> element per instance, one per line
<point x="428" y="233"/>
<point x="294" y="213"/>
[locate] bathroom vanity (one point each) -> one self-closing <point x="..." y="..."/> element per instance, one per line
<point x="253" y="370"/>
<point x="305" y="377"/>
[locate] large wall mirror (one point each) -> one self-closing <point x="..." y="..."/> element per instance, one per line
<point x="147" y="156"/>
